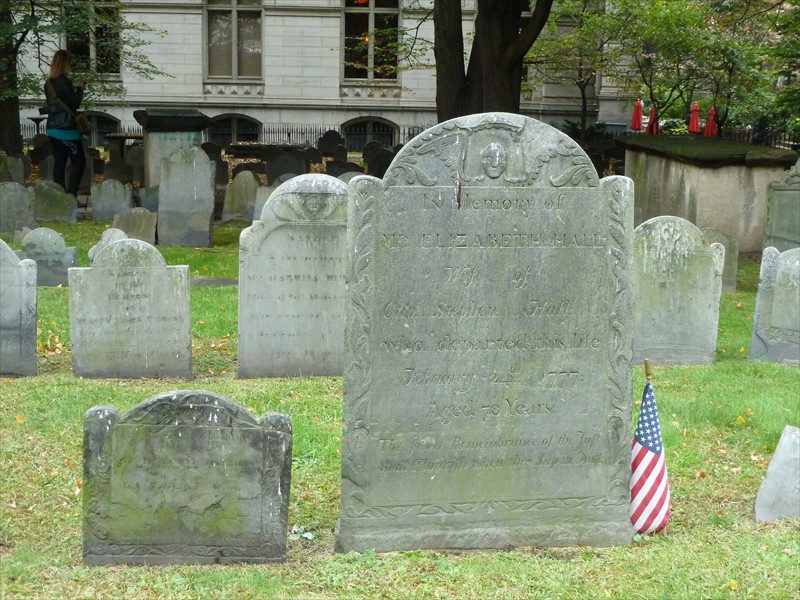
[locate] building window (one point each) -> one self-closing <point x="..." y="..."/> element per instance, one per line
<point x="234" y="39"/>
<point x="97" y="46"/>
<point x="229" y="129"/>
<point x="370" y="39"/>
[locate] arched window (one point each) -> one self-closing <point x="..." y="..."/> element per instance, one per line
<point x="227" y="129"/>
<point x="357" y="133"/>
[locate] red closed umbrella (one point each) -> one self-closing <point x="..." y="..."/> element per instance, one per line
<point x="636" y="119"/>
<point x="711" y="124"/>
<point x="652" y="124"/>
<point x="694" y="119"/>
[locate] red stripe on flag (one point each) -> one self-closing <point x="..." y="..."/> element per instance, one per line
<point x="648" y="508"/>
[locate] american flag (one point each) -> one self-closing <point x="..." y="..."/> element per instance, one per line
<point x="649" y="486"/>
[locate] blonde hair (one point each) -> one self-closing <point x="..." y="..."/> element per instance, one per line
<point x="61" y="65"/>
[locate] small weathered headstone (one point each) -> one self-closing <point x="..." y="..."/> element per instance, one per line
<point x="18" y="313"/>
<point x="185" y="477"/>
<point x="53" y="258"/>
<point x="16" y="210"/>
<point x="135" y="158"/>
<point x="292" y="281"/>
<point x="109" y="236"/>
<point x="118" y="170"/>
<point x="328" y="142"/>
<point x="110" y="198"/>
<point x="186" y="199"/>
<point x="776" y="322"/>
<point x="288" y="163"/>
<point x="129" y="314"/>
<point x="678" y="285"/>
<point x="19" y="167"/>
<point x="52" y="203"/>
<point x="138" y="224"/>
<point x="240" y="196"/>
<point x="712" y="235"/>
<point x="487" y="382"/>
<point x="262" y="196"/>
<point x="148" y="198"/>
<point x="779" y="494"/>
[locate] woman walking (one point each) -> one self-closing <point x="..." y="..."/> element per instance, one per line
<point x="63" y="100"/>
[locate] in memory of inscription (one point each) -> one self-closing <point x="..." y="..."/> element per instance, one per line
<point x="488" y="343"/>
<point x="187" y="476"/>
<point x="292" y="281"/>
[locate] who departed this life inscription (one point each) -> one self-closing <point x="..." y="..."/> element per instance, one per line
<point x="487" y="389"/>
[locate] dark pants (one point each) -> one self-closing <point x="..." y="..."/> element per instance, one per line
<point x="62" y="151"/>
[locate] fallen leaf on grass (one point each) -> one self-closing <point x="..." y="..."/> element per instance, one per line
<point x="736" y="470"/>
<point x="20" y="419"/>
<point x="733" y="585"/>
<point x="9" y="380"/>
<point x="12" y="506"/>
<point x="740" y="305"/>
<point x="741" y="420"/>
<point x="701" y="475"/>
<point x="69" y="463"/>
<point x="788" y="552"/>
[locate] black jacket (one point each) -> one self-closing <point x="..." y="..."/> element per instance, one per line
<point x="57" y="116"/>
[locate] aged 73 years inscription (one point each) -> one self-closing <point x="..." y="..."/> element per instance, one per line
<point x="488" y="344"/>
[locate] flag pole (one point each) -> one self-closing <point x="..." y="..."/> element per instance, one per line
<point x="648" y="372"/>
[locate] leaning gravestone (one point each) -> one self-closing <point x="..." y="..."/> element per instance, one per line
<point x="731" y="268"/>
<point x="17" y="313"/>
<point x="776" y="323"/>
<point x="129" y="314"/>
<point x="240" y="196"/>
<point x="782" y="224"/>
<point x="185" y="477"/>
<point x="53" y="258"/>
<point x="109" y="237"/>
<point x="779" y="494"/>
<point x="292" y="281"/>
<point x="52" y="203"/>
<point x="678" y="285"/>
<point x="186" y="199"/>
<point x="137" y="223"/>
<point x="16" y="210"/>
<point x="110" y="198"/>
<point x="487" y="385"/>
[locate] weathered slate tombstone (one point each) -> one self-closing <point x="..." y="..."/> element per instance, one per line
<point x="19" y="168"/>
<point x="712" y="235"/>
<point x="137" y="223"/>
<point x="240" y="196"/>
<point x="779" y="494"/>
<point x="776" y="322"/>
<point x="109" y="236"/>
<point x="328" y="142"/>
<point x="52" y="203"/>
<point x="185" y="477"/>
<point x="262" y="196"/>
<point x="487" y="385"/>
<point x="186" y="199"/>
<point x="288" y="163"/>
<point x="148" y="198"/>
<point x="292" y="281"/>
<point x="135" y="158"/>
<point x="678" y="286"/>
<point x="110" y="198"/>
<point x="129" y="314"/>
<point x="782" y="225"/>
<point x="119" y="170"/>
<point x="16" y="210"/>
<point x="53" y="259"/>
<point x="334" y="168"/>
<point x="18" y="313"/>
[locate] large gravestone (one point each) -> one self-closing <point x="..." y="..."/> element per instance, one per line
<point x="292" y="281"/>
<point x="110" y="198"/>
<point x="678" y="285"/>
<point x="487" y="386"/>
<point x="782" y="224"/>
<point x="16" y="210"/>
<point x="52" y="203"/>
<point x="138" y="223"/>
<point x="53" y="257"/>
<point x="776" y="323"/>
<point x="185" y="477"/>
<point x="129" y="314"/>
<point x="186" y="199"/>
<point x="779" y="494"/>
<point x="17" y="313"/>
<point x="240" y="196"/>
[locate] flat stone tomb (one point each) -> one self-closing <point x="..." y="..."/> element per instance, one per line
<point x="18" y="313"/>
<point x="776" y="323"/>
<point x="487" y="387"/>
<point x="292" y="281"/>
<point x="678" y="283"/>
<point x="129" y="314"/>
<point x="185" y="477"/>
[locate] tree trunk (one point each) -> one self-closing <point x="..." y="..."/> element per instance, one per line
<point x="10" y="137"/>
<point x="493" y="80"/>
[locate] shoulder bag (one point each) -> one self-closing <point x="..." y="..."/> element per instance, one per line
<point x="81" y="121"/>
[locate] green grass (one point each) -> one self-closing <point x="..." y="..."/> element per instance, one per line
<point x="721" y="424"/>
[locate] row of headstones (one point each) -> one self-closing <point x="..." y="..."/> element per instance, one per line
<point x="130" y="311"/>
